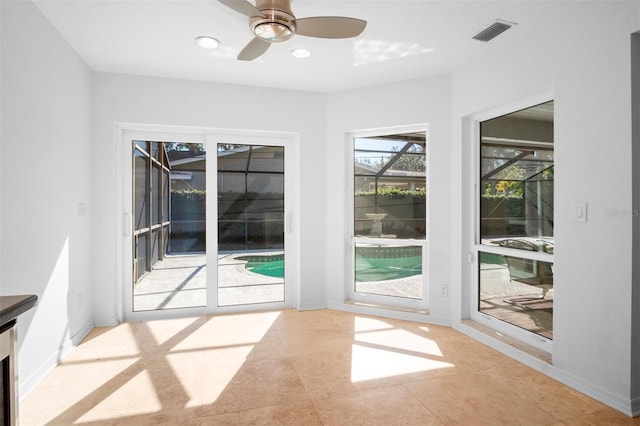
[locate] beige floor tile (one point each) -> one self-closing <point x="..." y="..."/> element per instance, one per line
<point x="301" y="342"/>
<point x="326" y="374"/>
<point x="269" y="347"/>
<point x="469" y="355"/>
<point x="547" y="394"/>
<point x="291" y="321"/>
<point x="294" y="414"/>
<point x="161" y="418"/>
<point x="72" y="389"/>
<point x="289" y="367"/>
<point x="255" y="384"/>
<point x="390" y="405"/>
<point x="476" y="399"/>
<point x="107" y="343"/>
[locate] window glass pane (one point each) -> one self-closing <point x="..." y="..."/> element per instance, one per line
<point x="165" y="238"/>
<point x="390" y="186"/>
<point x="518" y="291"/>
<point x="250" y="224"/>
<point x="267" y="159"/>
<point x="156" y="245"/>
<point x="231" y="234"/>
<point x="265" y="234"/>
<point x="233" y="157"/>
<point x="389" y="270"/>
<point x="516" y="175"/>
<point x="265" y="196"/>
<point x="141" y="182"/>
<point x="156" y="193"/>
<point x="165" y="196"/>
<point x="154" y="149"/>
<point x="188" y="197"/>
<point x="250" y="204"/>
<point x="144" y="146"/>
<point x="141" y="254"/>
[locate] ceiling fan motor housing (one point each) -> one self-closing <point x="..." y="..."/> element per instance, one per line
<point x="278" y="23"/>
<point x="275" y="27"/>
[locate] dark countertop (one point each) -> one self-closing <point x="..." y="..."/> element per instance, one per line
<point x="12" y="306"/>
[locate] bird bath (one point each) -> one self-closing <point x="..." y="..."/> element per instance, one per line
<point x="376" y="223"/>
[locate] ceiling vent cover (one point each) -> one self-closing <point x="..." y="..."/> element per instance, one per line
<point x="493" y="30"/>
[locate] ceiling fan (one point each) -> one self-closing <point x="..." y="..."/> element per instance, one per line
<point x="272" y="21"/>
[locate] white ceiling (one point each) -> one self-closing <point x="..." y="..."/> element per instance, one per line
<point x="403" y="39"/>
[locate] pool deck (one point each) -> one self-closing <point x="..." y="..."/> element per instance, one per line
<point x="179" y="281"/>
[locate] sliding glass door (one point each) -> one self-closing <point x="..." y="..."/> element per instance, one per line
<point x="169" y="235"/>
<point x="251" y="206"/>
<point x="208" y="227"/>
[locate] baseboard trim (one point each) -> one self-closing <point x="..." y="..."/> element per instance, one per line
<point x="27" y="385"/>
<point x="312" y="306"/>
<point x="635" y="407"/>
<point x="105" y="322"/>
<point x="617" y="402"/>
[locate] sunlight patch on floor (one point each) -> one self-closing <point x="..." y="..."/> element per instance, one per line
<point x="225" y="364"/>
<point x="164" y="330"/>
<point x="400" y="341"/>
<point x="369" y="363"/>
<point x="136" y="397"/>
<point x="364" y="324"/>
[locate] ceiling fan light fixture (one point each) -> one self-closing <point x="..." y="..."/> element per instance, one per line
<point x="207" y="42"/>
<point x="274" y="31"/>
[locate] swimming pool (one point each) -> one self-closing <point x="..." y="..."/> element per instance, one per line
<point x="269" y="265"/>
<point x="370" y="266"/>
<point x="383" y="269"/>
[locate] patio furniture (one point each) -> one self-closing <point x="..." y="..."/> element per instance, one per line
<point x="531" y="272"/>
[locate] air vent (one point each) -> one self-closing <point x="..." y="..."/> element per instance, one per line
<point x="493" y="30"/>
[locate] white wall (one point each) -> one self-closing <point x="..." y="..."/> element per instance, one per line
<point x="134" y="99"/>
<point x="583" y="56"/>
<point x="411" y="102"/>
<point x="45" y="173"/>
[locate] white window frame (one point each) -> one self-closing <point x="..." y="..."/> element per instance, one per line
<point x="375" y="300"/>
<point x="497" y="324"/>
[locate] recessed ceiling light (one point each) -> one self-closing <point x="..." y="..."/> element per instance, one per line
<point x="301" y="53"/>
<point x="207" y="42"/>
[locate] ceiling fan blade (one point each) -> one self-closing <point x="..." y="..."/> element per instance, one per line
<point x="330" y="27"/>
<point x="254" y="49"/>
<point x="242" y="6"/>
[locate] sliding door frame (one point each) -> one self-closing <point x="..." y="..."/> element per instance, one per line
<point x="124" y="134"/>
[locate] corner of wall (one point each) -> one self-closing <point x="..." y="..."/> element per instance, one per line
<point x="635" y="274"/>
<point x="32" y="380"/>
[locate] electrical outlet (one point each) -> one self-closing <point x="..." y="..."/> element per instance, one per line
<point x="82" y="209"/>
<point x="444" y="290"/>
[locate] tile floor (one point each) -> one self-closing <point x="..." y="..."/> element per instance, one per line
<point x="298" y="368"/>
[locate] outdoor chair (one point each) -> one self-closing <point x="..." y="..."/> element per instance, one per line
<point x="531" y="272"/>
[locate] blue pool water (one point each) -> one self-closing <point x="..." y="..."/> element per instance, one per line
<point x="272" y="268"/>
<point x="367" y="269"/>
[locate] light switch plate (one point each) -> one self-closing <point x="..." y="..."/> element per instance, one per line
<point x="581" y="212"/>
